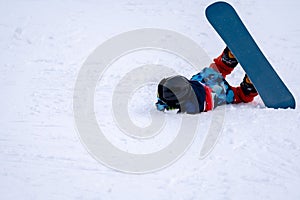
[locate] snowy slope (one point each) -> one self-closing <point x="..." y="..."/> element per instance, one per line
<point x="43" y="45"/>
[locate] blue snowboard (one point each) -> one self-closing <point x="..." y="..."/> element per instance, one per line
<point x="229" y="26"/>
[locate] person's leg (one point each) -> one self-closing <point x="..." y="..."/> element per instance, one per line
<point x="225" y="63"/>
<point x="245" y="92"/>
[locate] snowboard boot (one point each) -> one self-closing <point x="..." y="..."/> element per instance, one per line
<point x="226" y="62"/>
<point x="247" y="87"/>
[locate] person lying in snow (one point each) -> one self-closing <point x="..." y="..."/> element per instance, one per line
<point x="205" y="90"/>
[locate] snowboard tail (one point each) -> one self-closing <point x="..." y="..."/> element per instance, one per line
<point x="231" y="29"/>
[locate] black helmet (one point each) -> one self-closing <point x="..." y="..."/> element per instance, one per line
<point x="174" y="90"/>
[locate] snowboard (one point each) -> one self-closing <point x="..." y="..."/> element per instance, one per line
<point x="272" y="90"/>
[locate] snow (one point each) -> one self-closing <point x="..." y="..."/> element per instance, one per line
<point x="42" y="48"/>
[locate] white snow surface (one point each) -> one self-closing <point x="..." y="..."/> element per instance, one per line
<point x="43" y="45"/>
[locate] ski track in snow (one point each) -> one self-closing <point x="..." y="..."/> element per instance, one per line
<point x="42" y="47"/>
